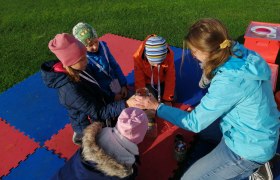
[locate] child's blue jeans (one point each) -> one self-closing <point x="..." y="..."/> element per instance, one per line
<point x="221" y="163"/>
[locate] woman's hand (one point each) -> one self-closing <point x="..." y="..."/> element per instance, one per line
<point x="124" y="92"/>
<point x="147" y="102"/>
<point x="142" y="102"/>
<point x="131" y="102"/>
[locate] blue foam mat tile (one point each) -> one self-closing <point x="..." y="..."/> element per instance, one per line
<point x="196" y="97"/>
<point x="187" y="78"/>
<point x="130" y="78"/>
<point x="177" y="53"/>
<point x="43" y="164"/>
<point x="33" y="108"/>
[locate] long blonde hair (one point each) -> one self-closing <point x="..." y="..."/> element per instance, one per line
<point x="207" y="35"/>
<point x="73" y="73"/>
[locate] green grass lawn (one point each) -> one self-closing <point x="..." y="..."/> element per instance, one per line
<point x="27" y="26"/>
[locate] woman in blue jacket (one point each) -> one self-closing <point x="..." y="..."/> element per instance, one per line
<point x="240" y="95"/>
<point x="77" y="88"/>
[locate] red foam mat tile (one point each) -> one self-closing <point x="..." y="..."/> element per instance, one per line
<point x="15" y="147"/>
<point x="62" y="144"/>
<point x="122" y="49"/>
<point x="157" y="156"/>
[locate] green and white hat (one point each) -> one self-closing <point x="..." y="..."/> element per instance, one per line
<point x="83" y="31"/>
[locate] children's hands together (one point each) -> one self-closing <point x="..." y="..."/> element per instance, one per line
<point x="147" y="102"/>
<point x="131" y="102"/>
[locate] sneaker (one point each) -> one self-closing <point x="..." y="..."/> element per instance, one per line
<point x="263" y="173"/>
<point x="77" y="139"/>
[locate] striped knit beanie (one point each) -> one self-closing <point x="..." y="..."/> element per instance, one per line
<point x="83" y="31"/>
<point x="156" y="49"/>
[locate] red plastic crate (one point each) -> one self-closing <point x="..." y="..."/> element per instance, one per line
<point x="274" y="74"/>
<point x="264" y="39"/>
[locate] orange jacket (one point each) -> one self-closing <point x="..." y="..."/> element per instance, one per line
<point x="143" y="73"/>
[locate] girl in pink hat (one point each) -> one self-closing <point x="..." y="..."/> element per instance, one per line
<point x="108" y="153"/>
<point x="77" y="88"/>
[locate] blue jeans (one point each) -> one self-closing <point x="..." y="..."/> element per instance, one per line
<point x="221" y="163"/>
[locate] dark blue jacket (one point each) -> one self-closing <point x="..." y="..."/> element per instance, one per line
<point x="115" y="70"/>
<point x="91" y="162"/>
<point x="79" y="169"/>
<point x="82" y="99"/>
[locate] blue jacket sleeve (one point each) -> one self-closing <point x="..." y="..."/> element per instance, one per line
<point x="81" y="106"/>
<point x="221" y="97"/>
<point x="115" y="67"/>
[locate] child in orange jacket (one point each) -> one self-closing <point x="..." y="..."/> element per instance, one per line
<point x="154" y="68"/>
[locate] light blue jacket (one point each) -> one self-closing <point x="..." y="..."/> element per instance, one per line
<point x="241" y="95"/>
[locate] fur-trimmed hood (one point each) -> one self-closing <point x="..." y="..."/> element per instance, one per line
<point x="92" y="152"/>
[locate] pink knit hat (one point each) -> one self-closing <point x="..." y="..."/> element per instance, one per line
<point x="67" y="49"/>
<point x="133" y="124"/>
